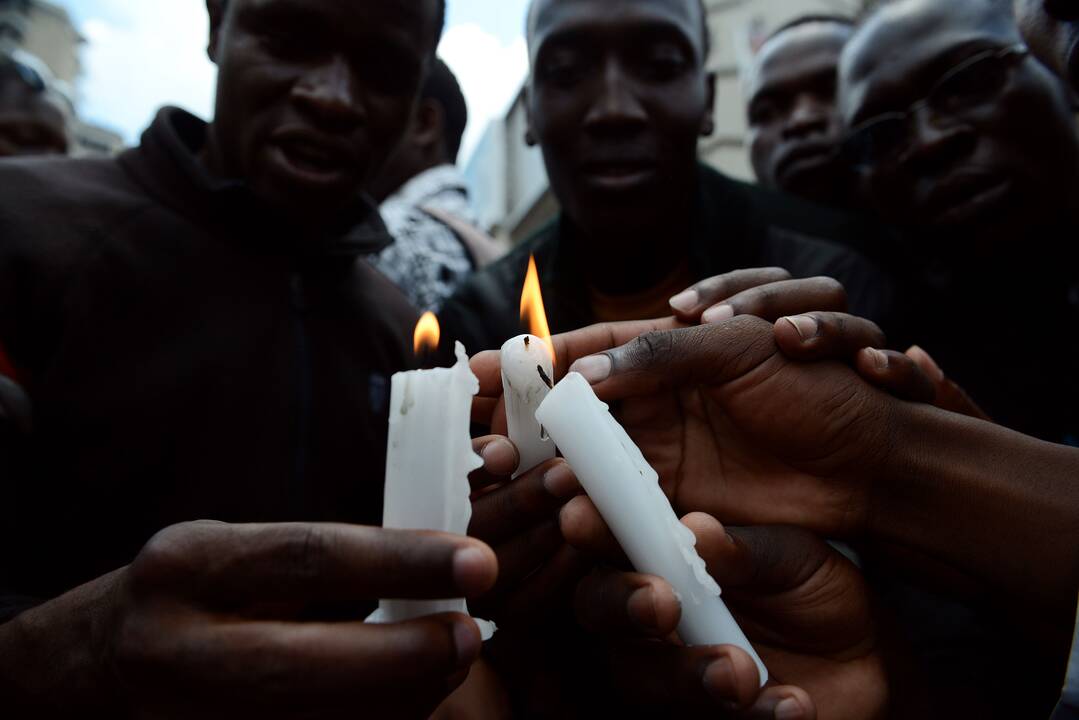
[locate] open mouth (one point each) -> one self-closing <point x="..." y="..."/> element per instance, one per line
<point x="309" y="161"/>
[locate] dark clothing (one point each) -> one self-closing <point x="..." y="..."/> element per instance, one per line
<point x="734" y="226"/>
<point x="1010" y="338"/>
<point x="188" y="354"/>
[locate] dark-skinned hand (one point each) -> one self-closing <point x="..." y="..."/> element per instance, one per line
<point x="720" y="413"/>
<point x="519" y="518"/>
<point x="804" y="607"/>
<point x="216" y="621"/>
<point x="771" y="294"/>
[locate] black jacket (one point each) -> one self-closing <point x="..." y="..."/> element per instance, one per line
<point x="735" y="225"/>
<point x="188" y="356"/>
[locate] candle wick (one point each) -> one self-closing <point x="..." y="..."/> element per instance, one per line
<point x="543" y="376"/>
<point x="527" y="341"/>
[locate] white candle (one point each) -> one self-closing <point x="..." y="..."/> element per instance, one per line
<point x="428" y="460"/>
<point x="626" y="491"/>
<point x="524" y="358"/>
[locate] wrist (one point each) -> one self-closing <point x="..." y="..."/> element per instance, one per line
<point x="53" y="656"/>
<point x="982" y="501"/>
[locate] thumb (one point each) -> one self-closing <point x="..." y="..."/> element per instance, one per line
<point x="665" y="359"/>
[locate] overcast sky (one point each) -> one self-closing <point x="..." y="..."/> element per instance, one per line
<point x="141" y="54"/>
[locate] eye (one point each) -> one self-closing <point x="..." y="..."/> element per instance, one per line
<point x="563" y="67"/>
<point x="663" y="61"/>
<point x="971" y="85"/>
<point x="762" y="112"/>
<point x="283" y="44"/>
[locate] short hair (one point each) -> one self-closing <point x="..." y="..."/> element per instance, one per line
<point x="441" y="15"/>
<point x="843" y="20"/>
<point x="706" y="30"/>
<point x="442" y="87"/>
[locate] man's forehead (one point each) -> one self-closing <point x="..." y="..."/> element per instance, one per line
<point x="554" y="17"/>
<point x="905" y="46"/>
<point x="345" y="16"/>
<point x="798" y="52"/>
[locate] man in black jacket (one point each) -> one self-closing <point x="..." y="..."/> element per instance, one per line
<point x="200" y="338"/>
<point x="617" y="103"/>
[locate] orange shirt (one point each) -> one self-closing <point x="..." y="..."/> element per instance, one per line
<point x="650" y="304"/>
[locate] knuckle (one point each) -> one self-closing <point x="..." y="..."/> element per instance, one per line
<point x="170" y="553"/>
<point x="305" y="551"/>
<point x="833" y="288"/>
<point x="713" y="289"/>
<point x="652" y="348"/>
<point x="759" y="300"/>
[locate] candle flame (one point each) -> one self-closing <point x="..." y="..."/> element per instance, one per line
<point x="532" y="313"/>
<point x="427" y="333"/>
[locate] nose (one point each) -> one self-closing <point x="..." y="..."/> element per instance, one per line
<point x="810" y="115"/>
<point x="615" y="107"/>
<point x="933" y="147"/>
<point x="330" y="94"/>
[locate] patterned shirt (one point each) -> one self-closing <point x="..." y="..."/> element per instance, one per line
<point x="426" y="260"/>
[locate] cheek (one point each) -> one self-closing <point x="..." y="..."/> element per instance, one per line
<point x="762" y="142"/>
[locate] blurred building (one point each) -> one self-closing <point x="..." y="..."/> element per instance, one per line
<point x="507" y="179"/>
<point x="45" y="31"/>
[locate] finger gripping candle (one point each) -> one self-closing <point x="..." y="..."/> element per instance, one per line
<point x="625" y="489"/>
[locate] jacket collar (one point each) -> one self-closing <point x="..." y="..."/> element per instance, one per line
<point x="166" y="163"/>
<point x="715" y="206"/>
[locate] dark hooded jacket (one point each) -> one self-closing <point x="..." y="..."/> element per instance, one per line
<point x="187" y="354"/>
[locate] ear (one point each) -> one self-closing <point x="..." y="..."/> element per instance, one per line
<point x="429" y="124"/>
<point x="530" y="134"/>
<point x="708" y="122"/>
<point x="216" y="10"/>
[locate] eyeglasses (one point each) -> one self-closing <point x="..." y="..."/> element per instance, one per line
<point x="970" y="85"/>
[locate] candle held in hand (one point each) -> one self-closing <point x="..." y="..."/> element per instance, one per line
<point x="429" y="458"/>
<point x="626" y="491"/>
<point x="527" y="370"/>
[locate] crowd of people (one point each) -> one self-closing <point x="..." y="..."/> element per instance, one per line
<point x="855" y="378"/>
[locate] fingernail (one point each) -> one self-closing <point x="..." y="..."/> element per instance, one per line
<point x="879" y="359"/>
<point x="560" y="482"/>
<point x="685" y="301"/>
<point x="642" y="609"/>
<point x="467" y="642"/>
<point x="788" y="709"/>
<point x="806" y="326"/>
<point x="471" y="568"/>
<point x="595" y="368"/>
<point x="498" y="453"/>
<point x="719" y="679"/>
<point x="718" y="314"/>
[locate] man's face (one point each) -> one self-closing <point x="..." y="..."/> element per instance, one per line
<point x="794" y="129"/>
<point x="991" y="155"/>
<point x="313" y="95"/>
<point x="1051" y="29"/>
<point x="617" y="100"/>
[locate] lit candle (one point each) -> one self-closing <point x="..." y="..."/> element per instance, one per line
<point x="625" y="489"/>
<point x="527" y="372"/>
<point x="428" y="460"/>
